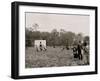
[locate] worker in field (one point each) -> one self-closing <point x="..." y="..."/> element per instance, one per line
<point x="79" y="49"/>
<point x="40" y="46"/>
<point x="75" y="51"/>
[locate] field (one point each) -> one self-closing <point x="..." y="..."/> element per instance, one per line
<point x="53" y="57"/>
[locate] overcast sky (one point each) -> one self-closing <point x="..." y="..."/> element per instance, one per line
<point x="48" y="22"/>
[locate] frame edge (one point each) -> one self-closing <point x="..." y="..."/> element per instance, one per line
<point x="15" y="40"/>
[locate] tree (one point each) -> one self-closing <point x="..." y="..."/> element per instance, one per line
<point x="79" y="37"/>
<point x="70" y="38"/>
<point x="28" y="41"/>
<point x="86" y="39"/>
<point x="35" y="26"/>
<point x="54" y="36"/>
<point x="66" y="38"/>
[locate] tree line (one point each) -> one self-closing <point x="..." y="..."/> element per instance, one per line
<point x="53" y="38"/>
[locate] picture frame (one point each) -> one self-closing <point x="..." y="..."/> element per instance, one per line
<point x="20" y="18"/>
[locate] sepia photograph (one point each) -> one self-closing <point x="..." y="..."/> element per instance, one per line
<point x="50" y="40"/>
<point x="56" y="40"/>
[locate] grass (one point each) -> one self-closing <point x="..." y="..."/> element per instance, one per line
<point x="53" y="57"/>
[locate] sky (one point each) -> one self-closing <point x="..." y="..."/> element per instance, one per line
<point x="69" y="22"/>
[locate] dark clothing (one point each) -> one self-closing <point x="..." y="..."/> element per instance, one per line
<point x="75" y="52"/>
<point x="79" y="48"/>
<point x="40" y="46"/>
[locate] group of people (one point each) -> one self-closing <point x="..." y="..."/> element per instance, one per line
<point x="79" y="49"/>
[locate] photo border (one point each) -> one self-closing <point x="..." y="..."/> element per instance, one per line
<point x="15" y="39"/>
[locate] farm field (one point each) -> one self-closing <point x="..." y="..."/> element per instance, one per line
<point x="53" y="57"/>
